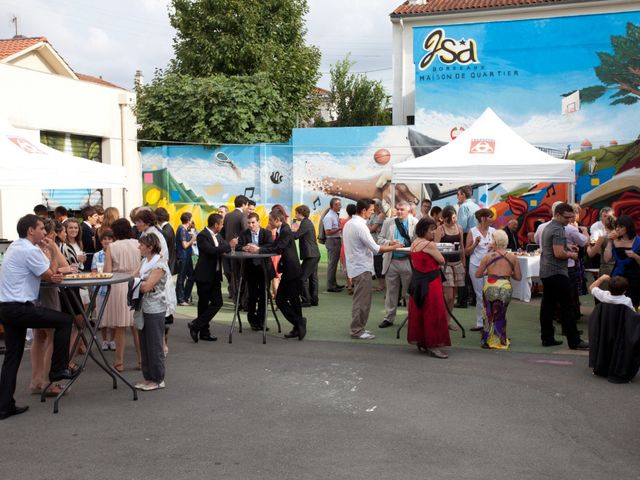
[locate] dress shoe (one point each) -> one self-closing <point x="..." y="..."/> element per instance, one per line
<point x="582" y="345"/>
<point x="385" y="324"/>
<point x="580" y="332"/>
<point x="193" y="332"/>
<point x="305" y="305"/>
<point x="66" y="374"/>
<point x="14" y="411"/>
<point x="302" y="328"/>
<point x="339" y="286"/>
<point x="314" y="304"/>
<point x="208" y="338"/>
<point x="476" y="329"/>
<point x="334" y="290"/>
<point x="291" y="334"/>
<point x="551" y="343"/>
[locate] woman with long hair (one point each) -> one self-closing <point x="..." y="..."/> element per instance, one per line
<point x="42" y="344"/>
<point x="275" y="282"/>
<point x="450" y="232"/>
<point x="428" y="327"/>
<point x="120" y="256"/>
<point x="624" y="249"/>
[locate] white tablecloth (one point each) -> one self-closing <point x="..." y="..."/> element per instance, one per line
<point x="530" y="268"/>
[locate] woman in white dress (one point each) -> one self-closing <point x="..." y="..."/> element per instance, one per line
<point x="478" y="244"/>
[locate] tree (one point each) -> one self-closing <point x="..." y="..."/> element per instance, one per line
<point x="357" y="100"/>
<point x="619" y="71"/>
<point x="216" y="109"/>
<point x="254" y="51"/>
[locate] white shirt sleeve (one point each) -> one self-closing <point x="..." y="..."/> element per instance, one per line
<point x="367" y="239"/>
<point x="37" y="262"/>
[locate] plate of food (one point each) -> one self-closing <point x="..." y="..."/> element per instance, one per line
<point x="88" y="276"/>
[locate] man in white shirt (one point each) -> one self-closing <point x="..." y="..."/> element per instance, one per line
<point x="598" y="230"/>
<point x="615" y="295"/>
<point x="23" y="268"/>
<point x="359" y="248"/>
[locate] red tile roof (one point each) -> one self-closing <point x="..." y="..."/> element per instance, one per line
<point x="321" y="91"/>
<point x="11" y="46"/>
<point x="14" y="45"/>
<point x="98" y="80"/>
<point x="453" y="6"/>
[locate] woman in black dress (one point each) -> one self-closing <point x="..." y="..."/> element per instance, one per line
<point x="624" y="248"/>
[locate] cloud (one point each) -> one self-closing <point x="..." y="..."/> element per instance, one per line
<point x="545" y="129"/>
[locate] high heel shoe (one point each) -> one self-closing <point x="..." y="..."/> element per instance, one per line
<point x="435" y="352"/>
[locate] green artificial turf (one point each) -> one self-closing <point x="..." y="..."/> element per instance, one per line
<point x="331" y="319"/>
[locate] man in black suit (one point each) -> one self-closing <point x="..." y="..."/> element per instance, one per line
<point x="90" y="220"/>
<point x="234" y="223"/>
<point x="254" y="273"/>
<point x="512" y="234"/>
<point x="310" y="255"/>
<point x="162" y="218"/>
<point x="288" y="296"/>
<point x="208" y="277"/>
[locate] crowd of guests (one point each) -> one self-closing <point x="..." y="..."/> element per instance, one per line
<point x="401" y="251"/>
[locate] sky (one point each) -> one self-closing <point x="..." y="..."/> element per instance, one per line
<point x="114" y="39"/>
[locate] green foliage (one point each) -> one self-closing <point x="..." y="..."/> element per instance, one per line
<point x="357" y="100"/>
<point x="619" y="71"/>
<point x="215" y="109"/>
<point x="242" y="73"/>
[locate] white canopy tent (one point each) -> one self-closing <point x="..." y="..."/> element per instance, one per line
<point x="29" y="163"/>
<point x="488" y="152"/>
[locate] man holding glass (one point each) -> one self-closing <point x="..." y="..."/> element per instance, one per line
<point x="254" y="275"/>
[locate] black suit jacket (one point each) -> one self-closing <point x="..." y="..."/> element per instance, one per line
<point x="264" y="238"/>
<point x="284" y="245"/>
<point x="88" y="244"/>
<point x="209" y="266"/>
<point x="306" y="235"/>
<point x="234" y="223"/>
<point x="170" y="237"/>
<point x="513" y="239"/>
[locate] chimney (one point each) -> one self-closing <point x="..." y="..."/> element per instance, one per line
<point x="138" y="79"/>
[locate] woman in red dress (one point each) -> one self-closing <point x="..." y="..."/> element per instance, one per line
<point x="428" y="318"/>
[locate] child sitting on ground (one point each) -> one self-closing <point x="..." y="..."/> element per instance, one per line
<point x="616" y="293"/>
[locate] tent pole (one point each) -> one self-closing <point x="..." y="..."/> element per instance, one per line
<point x="571" y="192"/>
<point x="393" y="196"/>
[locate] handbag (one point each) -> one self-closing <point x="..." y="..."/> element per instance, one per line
<point x="134" y="304"/>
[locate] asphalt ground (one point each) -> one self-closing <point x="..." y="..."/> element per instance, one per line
<point x="326" y="409"/>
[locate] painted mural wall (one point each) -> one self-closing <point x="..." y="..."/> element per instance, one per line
<point x="199" y="179"/>
<point x="567" y="84"/>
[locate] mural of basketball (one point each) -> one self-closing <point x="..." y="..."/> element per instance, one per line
<point x="382" y="156"/>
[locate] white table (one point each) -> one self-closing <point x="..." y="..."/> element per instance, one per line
<point x="530" y="268"/>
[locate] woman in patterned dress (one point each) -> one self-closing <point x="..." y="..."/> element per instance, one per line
<point x="499" y="266"/>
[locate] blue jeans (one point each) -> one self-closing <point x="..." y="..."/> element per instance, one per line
<point x="184" y="284"/>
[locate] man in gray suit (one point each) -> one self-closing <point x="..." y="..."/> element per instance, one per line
<point x="234" y="223"/>
<point x="305" y="233"/>
<point x="396" y="266"/>
<point x="333" y="242"/>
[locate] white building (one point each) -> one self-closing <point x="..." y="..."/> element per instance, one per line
<point x="425" y="13"/>
<point x="42" y="95"/>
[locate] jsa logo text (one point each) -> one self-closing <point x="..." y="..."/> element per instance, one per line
<point x="448" y="50"/>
